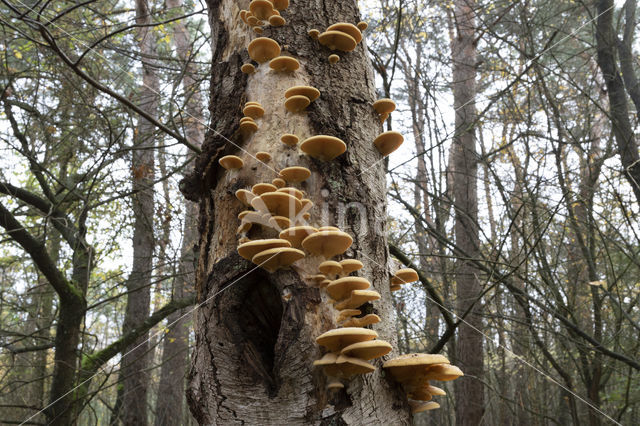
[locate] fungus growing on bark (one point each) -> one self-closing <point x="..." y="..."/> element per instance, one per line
<point x="327" y="243"/>
<point x="313" y="33"/>
<point x="323" y="147"/>
<point x="263" y="49"/>
<point x="330" y="267"/>
<point x="362" y="322"/>
<point x="278" y="182"/>
<point x="284" y="64"/>
<point x="296" y="234"/>
<point x="277" y="21"/>
<point x="253" y="110"/>
<point x="350" y="265"/>
<point x="367" y="350"/>
<point x="245" y="196"/>
<point x="289" y="139"/>
<point x="419" y="407"/>
<point x="258" y="30"/>
<point x="279" y="222"/>
<point x="277" y="258"/>
<point x="278" y="204"/>
<point x="395" y="287"/>
<point x="280" y="4"/>
<point x="384" y="107"/>
<point x="252" y="20"/>
<point x="404" y="276"/>
<point x="250" y="249"/>
<point x="292" y="191"/>
<point x="248" y="68"/>
<point x="230" y="162"/>
<point x="413" y="367"/>
<point x="347" y="28"/>
<point x="338" y="367"/>
<point x="295" y="174"/>
<point x="265" y="157"/>
<point x="337" y="40"/>
<point x="345" y="314"/>
<point x="296" y="103"/>
<point x="261" y="188"/>
<point x="261" y="9"/>
<point x="248" y="125"/>
<point x="341" y="288"/>
<point x="334" y="58"/>
<point x="362" y="25"/>
<point x="307" y="91"/>
<point x="388" y="142"/>
<point x="357" y="298"/>
<point x="243" y="15"/>
<point x="337" y="339"/>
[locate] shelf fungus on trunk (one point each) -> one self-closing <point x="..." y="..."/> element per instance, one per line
<point x="384" y="107"/>
<point x="413" y="372"/>
<point x="403" y="276"/>
<point x="388" y="142"/>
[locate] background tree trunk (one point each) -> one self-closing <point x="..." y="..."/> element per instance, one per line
<point x="469" y="390"/>
<point x="255" y="341"/>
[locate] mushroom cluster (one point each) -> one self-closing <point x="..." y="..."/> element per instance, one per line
<point x="264" y="11"/>
<point x="414" y="371"/>
<point x="274" y="231"/>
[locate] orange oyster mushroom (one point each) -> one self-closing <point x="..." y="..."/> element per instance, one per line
<point x="337" y="40"/>
<point x="261" y="9"/>
<point x="277" y="203"/>
<point x="327" y="243"/>
<point x="295" y="174"/>
<point x="296" y="234"/>
<point x="263" y="49"/>
<point x="388" y="142"/>
<point x="230" y="162"/>
<point x="323" y="147"/>
<point x="347" y="28"/>
<point x="339" y="338"/>
<point x="341" y="288"/>
<point x="265" y="157"/>
<point x="367" y="350"/>
<point x="261" y="188"/>
<point x="277" y="258"/>
<point x="296" y="103"/>
<point x="307" y="91"/>
<point x="250" y="249"/>
<point x="289" y="139"/>
<point x="284" y="64"/>
<point x="277" y="21"/>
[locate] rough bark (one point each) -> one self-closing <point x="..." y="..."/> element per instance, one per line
<point x="469" y="346"/>
<point x="170" y="402"/>
<point x="134" y="361"/>
<point x="255" y="334"/>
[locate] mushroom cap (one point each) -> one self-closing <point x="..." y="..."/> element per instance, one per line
<point x="419" y="407"/>
<point x="358" y="298"/>
<point x="284" y="64"/>
<point x="334" y="58"/>
<point x="231" y="162"/>
<point x="277" y="21"/>
<point x="433" y="390"/>
<point x="258" y="30"/>
<point x="350" y="366"/>
<point x="404" y="276"/>
<point x="243" y="15"/>
<point x="367" y="350"/>
<point x="395" y="287"/>
<point x="323" y="147"/>
<point x="310" y="92"/>
<point x="295" y="174"/>
<point x="328" y="228"/>
<point x="410" y="367"/>
<point x="263" y="156"/>
<point x="384" y="106"/>
<point x="279" y="222"/>
<point x="280" y="4"/>
<point x="289" y="139"/>
<point x="316" y="278"/>
<point x="348" y="313"/>
<point x="341" y="288"/>
<point x="276" y="258"/>
<point x="252" y="20"/>
<point x="327" y="243"/>
<point x="253" y="111"/>
<point x="252" y="217"/>
<point x="261" y="9"/>
<point x="296" y="103"/>
<point x="292" y="191"/>
<point x="306" y="204"/>
<point x="388" y="142"/>
<point x="327" y="359"/>
<point x="337" y="40"/>
<point x="350" y="265"/>
<point x="336" y="339"/>
<point x="248" y="125"/>
<point x="278" y="204"/>
<point x="243" y="240"/>
<point x="362" y="25"/>
<point x="347" y="28"/>
<point x="330" y="267"/>
<point x="313" y="33"/>
<point x="250" y="249"/>
<point x="245" y="196"/>
<point x="261" y="188"/>
<point x="418" y="393"/>
<point x="324" y="283"/>
<point x="248" y="68"/>
<point x="278" y="182"/>
<point x="444" y="372"/>
<point x="246" y="119"/>
<point x="263" y="49"/>
<point x="296" y="234"/>
<point x="383" y="117"/>
<point x="363" y="321"/>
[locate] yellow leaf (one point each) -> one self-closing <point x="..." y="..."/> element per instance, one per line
<point x="17" y="54"/>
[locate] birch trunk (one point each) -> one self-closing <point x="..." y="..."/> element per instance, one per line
<point x="255" y="331"/>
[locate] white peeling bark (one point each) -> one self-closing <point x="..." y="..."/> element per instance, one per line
<point x="255" y="335"/>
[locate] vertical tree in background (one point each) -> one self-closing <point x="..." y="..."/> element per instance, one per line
<point x="133" y="408"/>
<point x="468" y="350"/>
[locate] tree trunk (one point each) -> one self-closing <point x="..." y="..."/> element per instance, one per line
<point x="469" y="352"/>
<point x="170" y="406"/>
<point x="134" y="362"/>
<point x="255" y="331"/>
